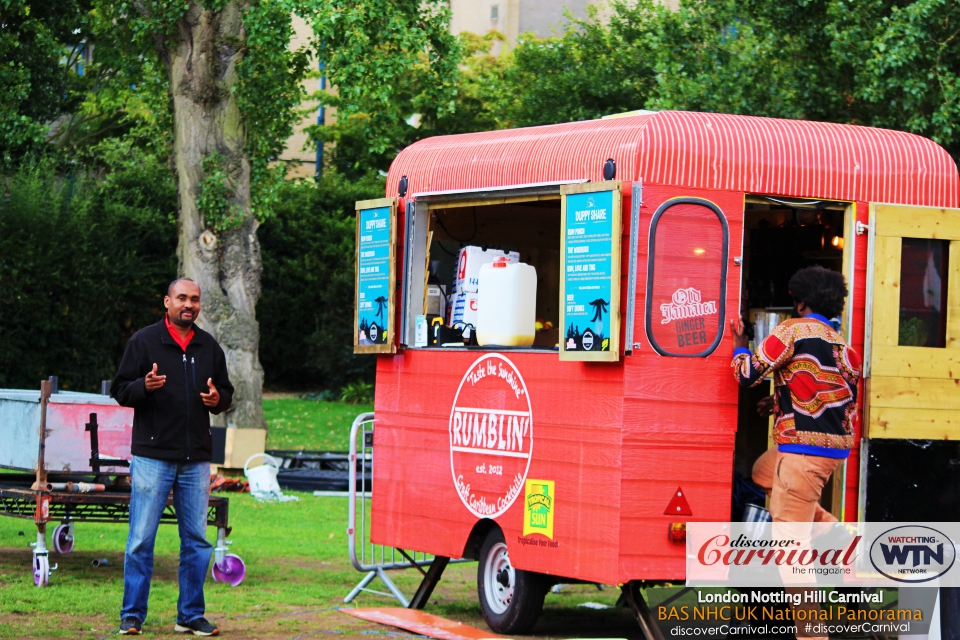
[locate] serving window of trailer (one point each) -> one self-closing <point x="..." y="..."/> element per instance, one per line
<point x="486" y="270"/>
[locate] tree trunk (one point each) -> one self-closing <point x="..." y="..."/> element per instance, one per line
<point x="202" y="63"/>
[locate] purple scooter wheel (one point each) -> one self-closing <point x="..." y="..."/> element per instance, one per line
<point x="41" y="571"/>
<point x="231" y="570"/>
<point x="62" y="540"/>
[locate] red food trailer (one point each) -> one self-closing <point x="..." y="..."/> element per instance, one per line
<point x="581" y="457"/>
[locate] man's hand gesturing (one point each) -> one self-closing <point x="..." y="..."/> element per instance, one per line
<point x="212" y="398"/>
<point x="153" y="382"/>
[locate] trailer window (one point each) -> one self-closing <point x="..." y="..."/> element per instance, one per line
<point x="923" y="292"/>
<point x="686" y="278"/>
<point x="529" y="230"/>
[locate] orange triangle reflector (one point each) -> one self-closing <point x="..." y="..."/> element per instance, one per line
<point x="678" y="505"/>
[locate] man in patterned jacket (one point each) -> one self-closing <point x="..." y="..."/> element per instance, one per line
<point x="815" y="376"/>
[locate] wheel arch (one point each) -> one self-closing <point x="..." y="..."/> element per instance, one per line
<point x="477" y="535"/>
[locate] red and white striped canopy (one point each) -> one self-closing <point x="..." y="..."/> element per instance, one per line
<point x="793" y="158"/>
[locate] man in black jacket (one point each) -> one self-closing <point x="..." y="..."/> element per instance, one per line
<point x="174" y="375"/>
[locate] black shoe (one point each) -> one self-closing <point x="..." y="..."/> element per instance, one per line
<point x="199" y="627"/>
<point x="130" y="626"/>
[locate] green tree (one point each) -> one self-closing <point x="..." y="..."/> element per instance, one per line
<point x="906" y="64"/>
<point x="234" y="92"/>
<point x="41" y="45"/>
<point x="83" y="263"/>
<point x="306" y="310"/>
<point x="594" y="67"/>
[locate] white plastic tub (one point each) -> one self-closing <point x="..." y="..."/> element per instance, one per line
<point x="507" y="305"/>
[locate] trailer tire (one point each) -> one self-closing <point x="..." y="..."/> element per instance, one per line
<point x="510" y="599"/>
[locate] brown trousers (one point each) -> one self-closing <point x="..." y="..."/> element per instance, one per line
<point x="794" y="483"/>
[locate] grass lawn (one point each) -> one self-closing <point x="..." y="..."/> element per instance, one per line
<point x="298" y="568"/>
<point x="298" y="573"/>
<point x="309" y="425"/>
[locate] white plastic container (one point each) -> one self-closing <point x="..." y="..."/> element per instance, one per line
<point x="507" y="304"/>
<point x="470" y="260"/>
<point x="464" y="309"/>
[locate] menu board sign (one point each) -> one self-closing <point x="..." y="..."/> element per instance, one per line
<point x="375" y="276"/>
<point x="590" y="271"/>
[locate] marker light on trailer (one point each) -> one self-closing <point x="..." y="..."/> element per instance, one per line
<point x="677" y="532"/>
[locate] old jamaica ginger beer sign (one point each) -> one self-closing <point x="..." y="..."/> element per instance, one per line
<point x="491" y="436"/>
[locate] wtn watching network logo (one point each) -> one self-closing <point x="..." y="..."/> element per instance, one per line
<point x="912" y="554"/>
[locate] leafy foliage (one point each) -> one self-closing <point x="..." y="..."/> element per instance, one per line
<point x="594" y="67"/>
<point x="888" y="63"/>
<point x="306" y="308"/>
<point x="905" y="59"/>
<point x="216" y="192"/>
<point x="83" y="265"/>
<point x="39" y="49"/>
<point x="360" y="392"/>
<point x="386" y="58"/>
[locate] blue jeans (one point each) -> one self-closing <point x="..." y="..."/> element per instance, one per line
<point x="151" y="481"/>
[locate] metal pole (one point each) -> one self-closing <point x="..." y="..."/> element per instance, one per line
<point x="321" y="117"/>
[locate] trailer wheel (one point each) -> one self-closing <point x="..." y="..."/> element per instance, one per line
<point x="510" y="599"/>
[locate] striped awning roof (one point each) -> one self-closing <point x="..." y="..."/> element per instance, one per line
<point x="793" y="158"/>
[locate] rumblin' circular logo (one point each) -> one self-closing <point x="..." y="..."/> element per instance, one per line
<point x="491" y="436"/>
<point x="912" y="553"/>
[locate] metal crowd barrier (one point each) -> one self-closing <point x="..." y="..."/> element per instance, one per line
<point x="376" y="559"/>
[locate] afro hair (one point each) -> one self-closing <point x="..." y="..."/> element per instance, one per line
<point x="820" y="289"/>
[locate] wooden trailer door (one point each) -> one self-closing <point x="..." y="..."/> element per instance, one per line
<point x="912" y="359"/>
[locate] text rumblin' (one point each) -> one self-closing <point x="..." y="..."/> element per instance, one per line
<point x="490" y="429"/>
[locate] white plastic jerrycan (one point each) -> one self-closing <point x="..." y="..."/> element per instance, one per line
<point x="507" y="304"/>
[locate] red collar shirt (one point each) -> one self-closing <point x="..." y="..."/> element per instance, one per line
<point x="183" y="342"/>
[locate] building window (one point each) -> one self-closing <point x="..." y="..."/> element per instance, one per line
<point x="494" y="12"/>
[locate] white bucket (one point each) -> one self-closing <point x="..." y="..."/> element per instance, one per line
<point x="263" y="479"/>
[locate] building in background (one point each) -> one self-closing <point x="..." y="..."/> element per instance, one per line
<point x="510" y="17"/>
<point x="514" y="17"/>
<point x="302" y="161"/>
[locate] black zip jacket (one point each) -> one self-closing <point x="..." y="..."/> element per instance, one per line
<point x="172" y="423"/>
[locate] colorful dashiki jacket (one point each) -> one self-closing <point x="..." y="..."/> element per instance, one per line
<point x="815" y="377"/>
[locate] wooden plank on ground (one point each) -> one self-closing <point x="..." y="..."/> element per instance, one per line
<point x="419" y="622"/>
